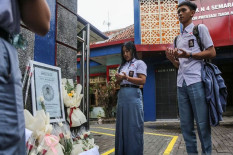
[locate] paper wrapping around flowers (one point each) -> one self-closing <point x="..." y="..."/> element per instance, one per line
<point x="77" y="117"/>
<point x="40" y="124"/>
<point x="77" y="149"/>
<point x="58" y="147"/>
<point x="72" y="101"/>
<point x="93" y="151"/>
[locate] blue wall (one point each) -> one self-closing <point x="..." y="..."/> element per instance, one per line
<point x="137" y="27"/>
<point x="149" y="88"/>
<point x="44" y="48"/>
<point x="92" y="64"/>
<point x="149" y="94"/>
<point x="107" y="50"/>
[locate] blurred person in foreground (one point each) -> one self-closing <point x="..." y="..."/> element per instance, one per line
<point x="36" y="16"/>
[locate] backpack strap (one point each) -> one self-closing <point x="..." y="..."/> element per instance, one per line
<point x="196" y="34"/>
<point x="175" y="41"/>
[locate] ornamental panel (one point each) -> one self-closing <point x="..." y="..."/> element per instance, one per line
<point x="159" y="21"/>
<point x="167" y="35"/>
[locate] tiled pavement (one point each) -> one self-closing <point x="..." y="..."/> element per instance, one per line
<point x="162" y="137"/>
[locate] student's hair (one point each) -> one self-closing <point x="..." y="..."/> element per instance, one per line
<point x="192" y="6"/>
<point x="130" y="47"/>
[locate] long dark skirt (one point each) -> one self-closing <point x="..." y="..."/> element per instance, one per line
<point x="12" y="126"/>
<point x="130" y="122"/>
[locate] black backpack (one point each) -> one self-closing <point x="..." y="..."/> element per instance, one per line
<point x="196" y="34"/>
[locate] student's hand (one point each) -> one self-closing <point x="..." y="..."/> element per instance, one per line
<point x="182" y="54"/>
<point x="170" y="54"/>
<point x="124" y="76"/>
<point x="118" y="77"/>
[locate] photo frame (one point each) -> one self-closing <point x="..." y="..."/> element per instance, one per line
<point x="47" y="91"/>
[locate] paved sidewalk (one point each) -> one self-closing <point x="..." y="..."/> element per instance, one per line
<point x="164" y="137"/>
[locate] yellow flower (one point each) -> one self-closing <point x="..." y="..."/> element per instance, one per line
<point x="70" y="94"/>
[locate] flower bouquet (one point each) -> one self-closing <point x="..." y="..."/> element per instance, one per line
<point x="39" y="125"/>
<point x="83" y="142"/>
<point x="42" y="149"/>
<point x="65" y="139"/>
<point x="41" y="141"/>
<point x="30" y="145"/>
<point x="72" y="97"/>
<point x="53" y="145"/>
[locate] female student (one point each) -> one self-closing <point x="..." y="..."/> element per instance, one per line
<point x="130" y="116"/>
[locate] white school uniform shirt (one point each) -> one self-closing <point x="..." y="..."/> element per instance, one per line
<point x="189" y="68"/>
<point x="132" y="68"/>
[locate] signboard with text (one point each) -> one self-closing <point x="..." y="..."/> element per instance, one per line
<point x="217" y="15"/>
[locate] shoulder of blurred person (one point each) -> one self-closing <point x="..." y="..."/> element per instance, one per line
<point x="34" y="13"/>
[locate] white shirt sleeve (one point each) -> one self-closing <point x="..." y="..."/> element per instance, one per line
<point x="141" y="67"/>
<point x="205" y="36"/>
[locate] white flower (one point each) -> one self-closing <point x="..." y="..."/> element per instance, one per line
<point x="91" y="142"/>
<point x="33" y="152"/>
<point x="41" y="99"/>
<point x="67" y="136"/>
<point x="81" y="136"/>
<point x="79" y="141"/>
<point x="39" y="148"/>
<point x="60" y="124"/>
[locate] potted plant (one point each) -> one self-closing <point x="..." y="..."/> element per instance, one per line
<point x="106" y="97"/>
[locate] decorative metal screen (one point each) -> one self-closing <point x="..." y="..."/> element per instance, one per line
<point x="159" y="21"/>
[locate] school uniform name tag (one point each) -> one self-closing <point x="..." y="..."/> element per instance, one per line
<point x="131" y="73"/>
<point x="191" y="43"/>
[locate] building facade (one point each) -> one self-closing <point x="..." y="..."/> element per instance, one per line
<point x="59" y="46"/>
<point x="217" y="15"/>
<point x="155" y="26"/>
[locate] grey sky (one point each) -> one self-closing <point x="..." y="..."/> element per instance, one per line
<point x="121" y="13"/>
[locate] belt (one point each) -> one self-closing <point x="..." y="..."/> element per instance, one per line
<point x="3" y="34"/>
<point x="129" y="85"/>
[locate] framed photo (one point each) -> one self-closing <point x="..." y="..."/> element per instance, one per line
<point x="47" y="91"/>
